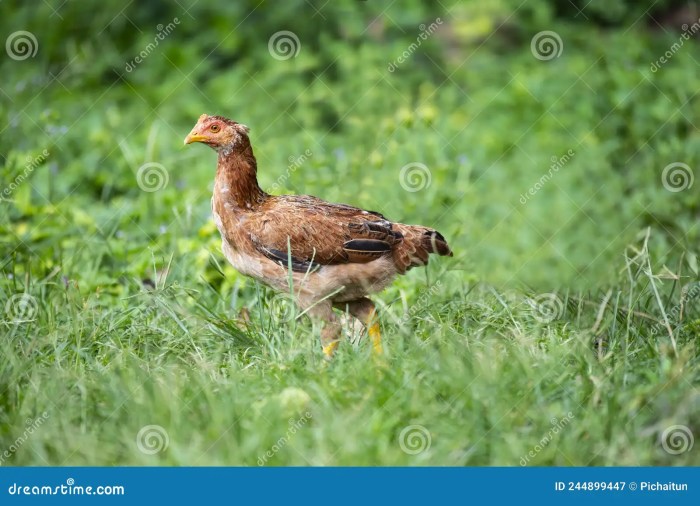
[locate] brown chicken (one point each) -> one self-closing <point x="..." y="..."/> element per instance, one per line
<point x="334" y="254"/>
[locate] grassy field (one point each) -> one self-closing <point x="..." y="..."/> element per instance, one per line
<point x="565" y="331"/>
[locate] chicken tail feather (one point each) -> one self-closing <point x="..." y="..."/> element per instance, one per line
<point x="418" y="242"/>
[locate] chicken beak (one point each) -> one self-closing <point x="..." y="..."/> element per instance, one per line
<point x="194" y="137"/>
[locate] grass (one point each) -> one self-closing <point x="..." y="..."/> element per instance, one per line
<point x="563" y="332"/>
<point x="481" y="374"/>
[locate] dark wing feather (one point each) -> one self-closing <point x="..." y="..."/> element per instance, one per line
<point x="319" y="233"/>
<point x="285" y="260"/>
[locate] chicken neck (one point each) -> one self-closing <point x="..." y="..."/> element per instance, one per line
<point x="236" y="179"/>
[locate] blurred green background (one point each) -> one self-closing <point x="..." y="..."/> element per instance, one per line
<point x="472" y="103"/>
<point x="133" y="313"/>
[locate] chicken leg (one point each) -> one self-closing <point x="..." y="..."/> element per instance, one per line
<point x="364" y="310"/>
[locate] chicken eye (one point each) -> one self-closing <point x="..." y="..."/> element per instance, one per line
<point x="214" y="128"/>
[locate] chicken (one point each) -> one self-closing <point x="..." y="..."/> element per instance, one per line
<point x="334" y="255"/>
